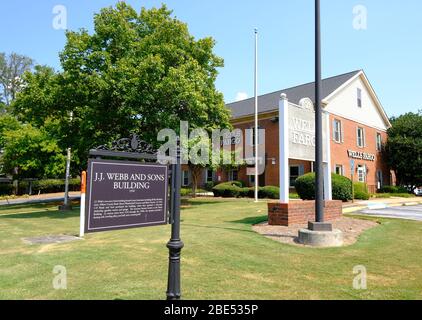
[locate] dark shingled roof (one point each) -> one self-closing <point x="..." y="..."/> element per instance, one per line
<point x="269" y="102"/>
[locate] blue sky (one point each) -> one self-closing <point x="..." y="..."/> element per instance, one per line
<point x="389" y="50"/>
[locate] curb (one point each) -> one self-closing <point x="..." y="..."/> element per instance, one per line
<point x="393" y="205"/>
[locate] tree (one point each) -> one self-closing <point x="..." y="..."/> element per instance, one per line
<point x="33" y="152"/>
<point x="137" y="73"/>
<point x="202" y="156"/>
<point x="403" y="150"/>
<point x="12" y="68"/>
<point x="7" y="123"/>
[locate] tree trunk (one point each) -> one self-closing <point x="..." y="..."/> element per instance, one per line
<point x="196" y="173"/>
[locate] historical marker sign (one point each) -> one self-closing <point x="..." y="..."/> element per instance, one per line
<point x="125" y="194"/>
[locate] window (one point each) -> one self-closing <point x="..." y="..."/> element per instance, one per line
<point x="339" y="169"/>
<point x="233" y="175"/>
<point x="251" y="136"/>
<point x="359" y="95"/>
<point x="379" y="179"/>
<point x="337" y="131"/>
<point x="209" y="177"/>
<point x="379" y="142"/>
<point x="361" y="137"/>
<point x="185" y="178"/>
<point x="295" y="172"/>
<point x="361" y="173"/>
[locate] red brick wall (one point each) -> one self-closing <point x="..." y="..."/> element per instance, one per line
<point x="300" y="212"/>
<point x="339" y="154"/>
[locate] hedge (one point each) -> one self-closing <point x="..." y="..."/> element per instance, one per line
<point x="235" y="189"/>
<point x="342" y="187"/>
<point x="41" y="186"/>
<point x="393" y="189"/>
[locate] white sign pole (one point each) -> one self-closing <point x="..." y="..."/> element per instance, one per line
<point x="82" y="210"/>
<point x="328" y="188"/>
<point x="284" y="148"/>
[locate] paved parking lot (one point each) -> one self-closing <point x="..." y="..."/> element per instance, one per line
<point x="409" y="213"/>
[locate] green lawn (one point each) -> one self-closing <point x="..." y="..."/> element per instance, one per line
<point x="222" y="259"/>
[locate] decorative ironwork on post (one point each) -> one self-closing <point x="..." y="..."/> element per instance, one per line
<point x="132" y="144"/>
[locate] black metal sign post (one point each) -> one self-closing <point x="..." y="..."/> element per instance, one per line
<point x="133" y="148"/>
<point x="175" y="244"/>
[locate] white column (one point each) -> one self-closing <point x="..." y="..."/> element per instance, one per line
<point x="328" y="190"/>
<point x="284" y="148"/>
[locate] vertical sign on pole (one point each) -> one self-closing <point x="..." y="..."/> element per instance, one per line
<point x="82" y="209"/>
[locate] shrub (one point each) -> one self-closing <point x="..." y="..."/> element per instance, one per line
<point x="269" y="192"/>
<point x="209" y="186"/>
<point x="231" y="189"/>
<point x="342" y="187"/>
<point x="361" y="191"/>
<point x="305" y="186"/>
<point x="6" y="189"/>
<point x="393" y="189"/>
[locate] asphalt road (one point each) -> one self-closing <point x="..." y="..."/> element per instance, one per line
<point x="409" y="213"/>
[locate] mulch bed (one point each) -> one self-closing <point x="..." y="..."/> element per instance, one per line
<point x="351" y="228"/>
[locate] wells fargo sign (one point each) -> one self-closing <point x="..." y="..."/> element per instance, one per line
<point x="361" y="155"/>
<point x="301" y="124"/>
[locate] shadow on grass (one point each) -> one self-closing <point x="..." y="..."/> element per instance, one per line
<point x="216" y="227"/>
<point x="251" y="220"/>
<point x="44" y="214"/>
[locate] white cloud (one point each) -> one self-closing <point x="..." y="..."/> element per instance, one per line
<point x="241" y="96"/>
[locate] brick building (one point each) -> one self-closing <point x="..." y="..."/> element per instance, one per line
<point x="357" y="130"/>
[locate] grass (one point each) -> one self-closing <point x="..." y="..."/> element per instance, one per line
<point x="222" y="259"/>
<point x="393" y="195"/>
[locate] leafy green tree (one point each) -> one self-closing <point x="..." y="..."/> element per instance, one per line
<point x="7" y="123"/>
<point x="403" y="150"/>
<point x="137" y="73"/>
<point x="33" y="152"/>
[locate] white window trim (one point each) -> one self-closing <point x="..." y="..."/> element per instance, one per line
<point x="340" y="131"/>
<point x="378" y="141"/>
<point x="363" y="137"/>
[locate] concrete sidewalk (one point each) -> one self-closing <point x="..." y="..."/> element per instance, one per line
<point x="375" y="204"/>
<point x="42" y="198"/>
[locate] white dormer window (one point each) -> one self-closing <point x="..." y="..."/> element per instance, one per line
<point x="359" y="97"/>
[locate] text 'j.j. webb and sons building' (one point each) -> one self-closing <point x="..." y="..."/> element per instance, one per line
<point x="357" y="130"/>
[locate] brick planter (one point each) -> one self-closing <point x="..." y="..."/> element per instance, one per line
<point x="300" y="212"/>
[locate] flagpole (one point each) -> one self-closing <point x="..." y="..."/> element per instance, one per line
<point x="256" y="117"/>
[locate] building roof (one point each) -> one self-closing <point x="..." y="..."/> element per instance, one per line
<point x="269" y="102"/>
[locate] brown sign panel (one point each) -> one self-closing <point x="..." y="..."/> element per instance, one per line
<point x="125" y="194"/>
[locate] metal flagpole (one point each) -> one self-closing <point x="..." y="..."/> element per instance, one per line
<point x="256" y="117"/>
<point x="319" y="203"/>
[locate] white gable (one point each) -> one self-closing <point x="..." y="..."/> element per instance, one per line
<point x="343" y="103"/>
